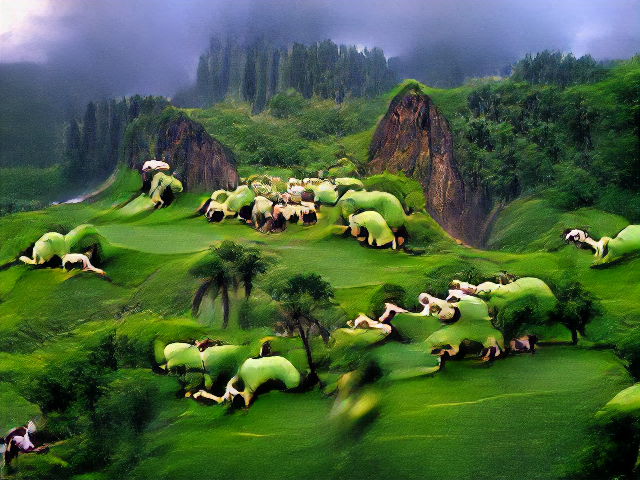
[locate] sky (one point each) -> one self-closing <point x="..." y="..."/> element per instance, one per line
<point x="152" y="46"/>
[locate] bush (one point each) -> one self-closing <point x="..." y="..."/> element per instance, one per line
<point x="286" y="104"/>
<point x="615" y="435"/>
<point x="415" y="202"/>
<point x="575" y="188"/>
<point x="628" y="349"/>
<point x="437" y="282"/>
<point x="344" y="168"/>
<point x="516" y="315"/>
<point x="625" y="203"/>
<point x="259" y="313"/>
<point x="77" y="383"/>
<point x="120" y="416"/>
<point x="576" y="307"/>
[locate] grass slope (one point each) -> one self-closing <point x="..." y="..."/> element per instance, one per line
<point x="474" y="421"/>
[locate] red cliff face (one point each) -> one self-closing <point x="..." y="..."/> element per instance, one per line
<point x="414" y="138"/>
<point x="202" y="163"/>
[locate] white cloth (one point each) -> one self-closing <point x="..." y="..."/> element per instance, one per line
<point x="24" y="443"/>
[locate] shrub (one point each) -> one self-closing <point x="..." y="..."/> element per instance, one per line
<point x="576" y="307"/>
<point x="415" y="202"/>
<point x="437" y="281"/>
<point x="575" y="188"/>
<point x="286" y="104"/>
<point x="615" y="435"/>
<point x="119" y="418"/>
<point x="628" y="349"/>
<point x="625" y="203"/>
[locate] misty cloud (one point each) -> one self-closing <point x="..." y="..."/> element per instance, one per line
<point x="152" y="46"/>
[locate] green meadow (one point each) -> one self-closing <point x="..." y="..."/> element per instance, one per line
<point x="526" y="416"/>
<point x="80" y="352"/>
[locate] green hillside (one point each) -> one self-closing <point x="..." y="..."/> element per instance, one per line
<point x="59" y="330"/>
<point x="79" y="352"/>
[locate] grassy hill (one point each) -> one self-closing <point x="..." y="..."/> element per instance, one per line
<point x="78" y="351"/>
<point x="57" y="325"/>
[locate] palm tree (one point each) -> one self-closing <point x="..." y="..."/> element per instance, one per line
<point x="219" y="272"/>
<point x="299" y="296"/>
<point x="250" y="264"/>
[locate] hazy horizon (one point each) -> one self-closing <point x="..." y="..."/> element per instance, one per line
<point x="153" y="46"/>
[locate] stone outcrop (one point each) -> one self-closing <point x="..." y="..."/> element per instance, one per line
<point x="201" y="162"/>
<point x="414" y="138"/>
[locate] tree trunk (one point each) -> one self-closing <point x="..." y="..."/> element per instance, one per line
<point x="225" y="306"/>
<point x="307" y="349"/>
<point x="574" y="336"/>
<point x="197" y="298"/>
<point x="248" y="286"/>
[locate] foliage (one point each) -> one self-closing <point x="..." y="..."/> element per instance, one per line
<point x="554" y="67"/>
<point x="513" y="138"/>
<point x="286" y="104"/>
<point x="94" y="145"/>
<point x="628" y="348"/>
<point x="223" y="268"/>
<point x="249" y="263"/>
<point x="387" y="293"/>
<point x="259" y="73"/>
<point x="219" y="272"/>
<point x="576" y="307"/>
<point x="438" y="280"/>
<point x="575" y="188"/>
<point x="516" y="315"/>
<point x="300" y="296"/>
<point x="615" y="434"/>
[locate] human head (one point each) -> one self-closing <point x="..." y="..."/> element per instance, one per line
<point x="464" y="287"/>
<point x="576" y="236"/>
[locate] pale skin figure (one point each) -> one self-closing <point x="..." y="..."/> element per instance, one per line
<point x="155" y="165"/>
<point x="384" y="321"/>
<point x="607" y="249"/>
<point x="86" y="264"/>
<point x="436" y="306"/>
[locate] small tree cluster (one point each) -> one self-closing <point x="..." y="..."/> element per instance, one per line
<point x="575" y="309"/>
<point x="223" y="268"/>
<point x="301" y="296"/>
<point x="553" y="67"/>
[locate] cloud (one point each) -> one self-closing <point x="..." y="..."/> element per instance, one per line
<point x="152" y="46"/>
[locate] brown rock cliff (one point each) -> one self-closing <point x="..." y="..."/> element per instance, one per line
<point x="202" y="163"/>
<point x="414" y="138"/>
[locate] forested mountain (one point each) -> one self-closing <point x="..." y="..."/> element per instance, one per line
<point x="106" y="359"/>
<point x="93" y="144"/>
<point x="533" y="132"/>
<point x="563" y="126"/>
<point x="258" y="71"/>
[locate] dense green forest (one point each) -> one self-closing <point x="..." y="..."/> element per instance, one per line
<point x="81" y="353"/>
<point x="256" y="72"/>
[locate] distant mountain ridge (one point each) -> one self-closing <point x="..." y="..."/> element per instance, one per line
<point x="258" y="71"/>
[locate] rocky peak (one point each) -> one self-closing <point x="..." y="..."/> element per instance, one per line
<point x="202" y="163"/>
<point x="414" y="138"/>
